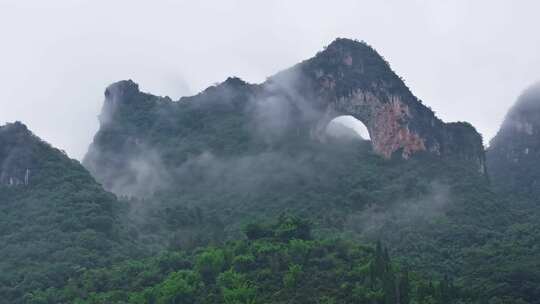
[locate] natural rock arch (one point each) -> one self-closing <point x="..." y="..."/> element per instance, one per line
<point x="351" y="78"/>
<point x="347" y="78"/>
<point x="386" y="123"/>
<point x="346" y="126"/>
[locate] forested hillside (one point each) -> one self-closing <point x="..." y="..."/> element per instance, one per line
<point x="279" y="263"/>
<point x="197" y="169"/>
<point x="55" y="220"/>
<point x="240" y="195"/>
<point x="442" y="218"/>
<point x="514" y="152"/>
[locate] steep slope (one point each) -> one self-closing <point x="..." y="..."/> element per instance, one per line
<point x="514" y="152"/>
<point x="512" y="160"/>
<point x="143" y="138"/>
<point x="55" y="220"/>
<point x="350" y="78"/>
<point x="239" y="152"/>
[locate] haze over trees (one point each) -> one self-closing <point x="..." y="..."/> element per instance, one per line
<point x="240" y="195"/>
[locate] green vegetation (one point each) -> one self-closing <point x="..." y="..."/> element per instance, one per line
<point x="283" y="264"/>
<point x="437" y="216"/>
<point x="513" y="153"/>
<point x="197" y="177"/>
<point x="205" y="166"/>
<point x="440" y="217"/>
<point x="58" y="224"/>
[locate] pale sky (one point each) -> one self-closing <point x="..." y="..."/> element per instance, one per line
<point x="467" y="60"/>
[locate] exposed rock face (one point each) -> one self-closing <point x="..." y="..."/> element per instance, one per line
<point x="16" y="163"/>
<point x="352" y="79"/>
<point x="347" y="78"/>
<point x="514" y="152"/>
<point x="384" y="121"/>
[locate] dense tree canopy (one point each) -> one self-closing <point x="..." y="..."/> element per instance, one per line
<point x="55" y="224"/>
<point x="195" y="181"/>
<point x="283" y="265"/>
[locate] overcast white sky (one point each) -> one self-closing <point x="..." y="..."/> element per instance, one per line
<point x="468" y="60"/>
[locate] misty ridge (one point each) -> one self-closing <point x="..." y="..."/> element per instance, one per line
<point x="512" y="154"/>
<point x="248" y="150"/>
<point x="240" y="151"/>
<point x="524" y="113"/>
<point x="273" y="114"/>
<point x="270" y="152"/>
<point x="279" y="175"/>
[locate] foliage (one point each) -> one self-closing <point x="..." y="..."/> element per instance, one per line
<point x="309" y="281"/>
<point x="193" y="173"/>
<point x="55" y="225"/>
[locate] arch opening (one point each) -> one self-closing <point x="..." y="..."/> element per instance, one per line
<point x="348" y="127"/>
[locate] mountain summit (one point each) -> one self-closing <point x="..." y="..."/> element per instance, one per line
<point x="351" y="78"/>
<point x="140" y="132"/>
<point x="201" y="170"/>
<point x="514" y="152"/>
<point x="15" y="163"/>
